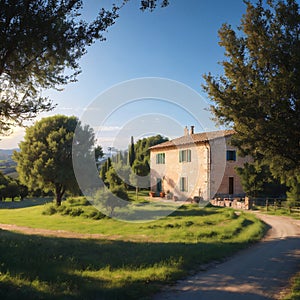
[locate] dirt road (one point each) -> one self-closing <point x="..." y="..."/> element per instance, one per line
<point x="58" y="233"/>
<point x="257" y="273"/>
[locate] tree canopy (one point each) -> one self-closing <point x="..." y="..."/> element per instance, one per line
<point x="124" y="168"/>
<point x="11" y="188"/>
<point x="41" y="43"/>
<point x="259" y="93"/>
<point x="45" y="157"/>
<point x="152" y="4"/>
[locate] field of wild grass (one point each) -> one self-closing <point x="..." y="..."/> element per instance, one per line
<point x="131" y="261"/>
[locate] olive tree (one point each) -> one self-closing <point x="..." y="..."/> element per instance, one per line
<point x="45" y="157"/>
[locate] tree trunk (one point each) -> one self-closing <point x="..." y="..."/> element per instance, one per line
<point x="59" y="192"/>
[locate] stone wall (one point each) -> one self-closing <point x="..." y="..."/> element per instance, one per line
<point x="237" y="203"/>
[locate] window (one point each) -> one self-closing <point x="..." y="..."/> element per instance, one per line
<point x="185" y="155"/>
<point x="231" y="155"/>
<point x="183" y="184"/>
<point x="160" y="158"/>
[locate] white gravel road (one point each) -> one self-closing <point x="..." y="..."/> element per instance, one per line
<point x="257" y="273"/>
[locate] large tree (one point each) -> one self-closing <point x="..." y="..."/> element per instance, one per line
<point x="41" y="43"/>
<point x="45" y="157"/>
<point x="259" y="93"/>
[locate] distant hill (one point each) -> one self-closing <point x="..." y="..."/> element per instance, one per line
<point x="7" y="165"/>
<point x="7" y="153"/>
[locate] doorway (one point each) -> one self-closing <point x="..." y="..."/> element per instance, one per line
<point x="158" y="185"/>
<point x="231" y="185"/>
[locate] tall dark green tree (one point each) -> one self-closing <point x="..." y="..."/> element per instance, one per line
<point x="140" y="170"/>
<point x="45" y="157"/>
<point x="131" y="152"/>
<point x="142" y="146"/>
<point x="141" y="164"/>
<point x="258" y="181"/>
<point x="12" y="190"/>
<point x="98" y="153"/>
<point x="104" y="169"/>
<point x="259" y="93"/>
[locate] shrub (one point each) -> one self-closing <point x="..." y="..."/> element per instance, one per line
<point x="50" y="210"/>
<point x="75" y="212"/>
<point x="95" y="215"/>
<point x="61" y="208"/>
<point x="189" y="223"/>
<point x="78" y="201"/>
<point x="116" y="197"/>
<point x="66" y="211"/>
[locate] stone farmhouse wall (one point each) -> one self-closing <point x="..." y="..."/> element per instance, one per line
<point x="207" y="174"/>
<point x="238" y="203"/>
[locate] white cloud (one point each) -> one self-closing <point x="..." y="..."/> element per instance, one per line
<point x="11" y="141"/>
<point x="107" y="128"/>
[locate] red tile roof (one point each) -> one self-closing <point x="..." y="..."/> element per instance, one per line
<point x="194" y="139"/>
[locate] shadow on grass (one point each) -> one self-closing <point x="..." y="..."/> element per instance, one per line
<point x="25" y="203"/>
<point x="185" y="211"/>
<point x="36" y="267"/>
<point x="157" y="211"/>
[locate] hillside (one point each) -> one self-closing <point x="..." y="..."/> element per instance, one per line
<point x="7" y="165"/>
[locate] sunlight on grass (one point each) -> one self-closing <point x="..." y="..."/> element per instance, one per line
<point x="120" y="277"/>
<point x="294" y="293"/>
<point x="35" y="288"/>
<point x="130" y="261"/>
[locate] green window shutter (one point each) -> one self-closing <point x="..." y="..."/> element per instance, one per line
<point x="189" y="155"/>
<point x="183" y="184"/>
<point x="231" y="155"/>
<point x="160" y="158"/>
<point x="234" y="155"/>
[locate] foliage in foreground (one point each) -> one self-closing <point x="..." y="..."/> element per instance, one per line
<point x="294" y="294"/>
<point x="132" y="262"/>
<point x="39" y="41"/>
<point x="259" y="93"/>
<point x="74" y="207"/>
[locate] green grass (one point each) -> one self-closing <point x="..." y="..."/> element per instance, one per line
<point x="282" y="211"/>
<point x="294" y="293"/>
<point x="134" y="261"/>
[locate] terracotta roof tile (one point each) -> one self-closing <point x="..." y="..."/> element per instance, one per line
<point x="194" y="138"/>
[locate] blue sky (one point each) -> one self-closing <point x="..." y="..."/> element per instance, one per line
<point x="179" y="43"/>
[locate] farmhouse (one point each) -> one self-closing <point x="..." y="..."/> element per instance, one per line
<point x="197" y="165"/>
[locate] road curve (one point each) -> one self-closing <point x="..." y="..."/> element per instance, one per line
<point x="257" y="273"/>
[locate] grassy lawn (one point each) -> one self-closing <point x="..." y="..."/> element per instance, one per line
<point x="294" y="294"/>
<point x="133" y="262"/>
<point x="282" y="211"/>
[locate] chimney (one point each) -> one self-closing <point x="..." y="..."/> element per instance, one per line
<point x="186" y="131"/>
<point x="192" y="129"/>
